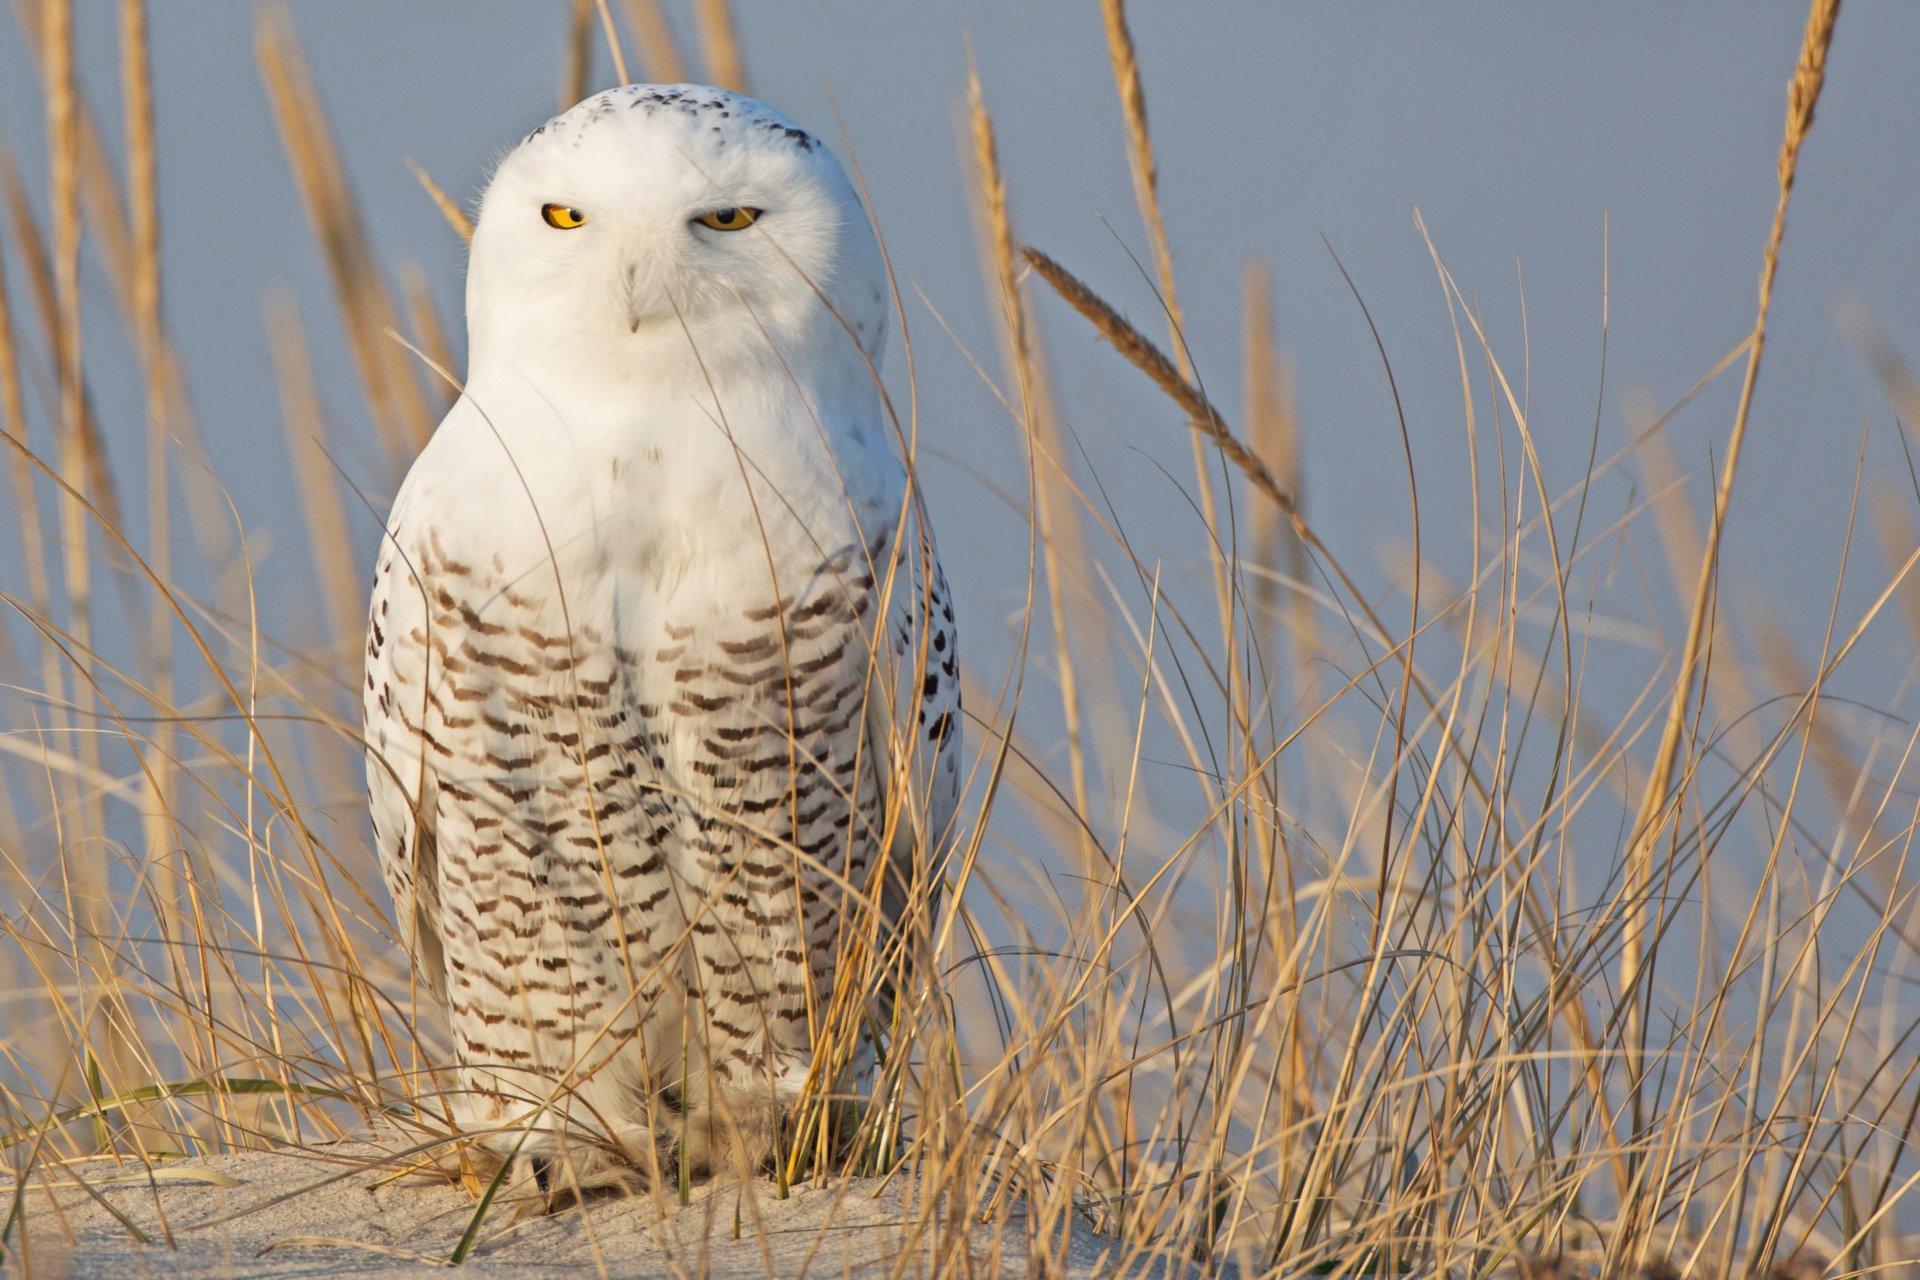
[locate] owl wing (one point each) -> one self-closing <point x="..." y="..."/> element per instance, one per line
<point x="402" y="788"/>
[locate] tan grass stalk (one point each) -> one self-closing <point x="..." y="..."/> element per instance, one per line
<point x="13" y="423"/>
<point x="108" y="1023"/>
<point x="1682" y="546"/>
<point x="328" y="532"/>
<point x="429" y="332"/>
<point x="1146" y="357"/>
<point x="1146" y="194"/>
<point x="720" y="45"/>
<point x="159" y="804"/>
<point x="613" y="44"/>
<point x="108" y="230"/>
<point x="1055" y="544"/>
<point x="449" y="209"/>
<point x="1142" y="353"/>
<point x="1570" y="1005"/>
<point x="1658" y="806"/>
<point x="107" y="221"/>
<point x="387" y="377"/>
<point x="339" y="978"/>
<point x="573" y="79"/>
<point x="1897" y="535"/>
<point x="36" y="257"/>
<point x="13" y="420"/>
<point x="1850" y="782"/>
<point x="1272" y="432"/>
<point x="1149" y="359"/>
<point x="657" y="49"/>
<point x="112" y="239"/>
<point x="996" y="231"/>
<point x="63" y="144"/>
<point x="143" y="203"/>
<point x="1779" y="963"/>
<point x="1061" y="545"/>
<point x="59" y="785"/>
<point x="1898" y="379"/>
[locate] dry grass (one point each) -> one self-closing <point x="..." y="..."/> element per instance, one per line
<point x="1441" y="960"/>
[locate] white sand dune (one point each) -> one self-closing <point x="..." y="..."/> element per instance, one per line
<point x="328" y="1211"/>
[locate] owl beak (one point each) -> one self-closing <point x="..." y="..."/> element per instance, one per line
<point x="634" y="315"/>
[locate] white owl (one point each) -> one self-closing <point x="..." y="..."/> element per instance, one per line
<point x="662" y="710"/>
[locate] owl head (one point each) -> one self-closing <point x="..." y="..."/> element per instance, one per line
<point x="659" y="220"/>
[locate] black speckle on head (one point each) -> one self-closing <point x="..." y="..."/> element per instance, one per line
<point x="799" y="137"/>
<point x="693" y="104"/>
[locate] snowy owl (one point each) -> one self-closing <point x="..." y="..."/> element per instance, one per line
<point x="662" y="707"/>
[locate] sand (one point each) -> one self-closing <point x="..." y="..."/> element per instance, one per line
<point x="332" y="1211"/>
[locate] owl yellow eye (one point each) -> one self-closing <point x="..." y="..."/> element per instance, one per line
<point x="730" y="219"/>
<point x="559" y="215"/>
